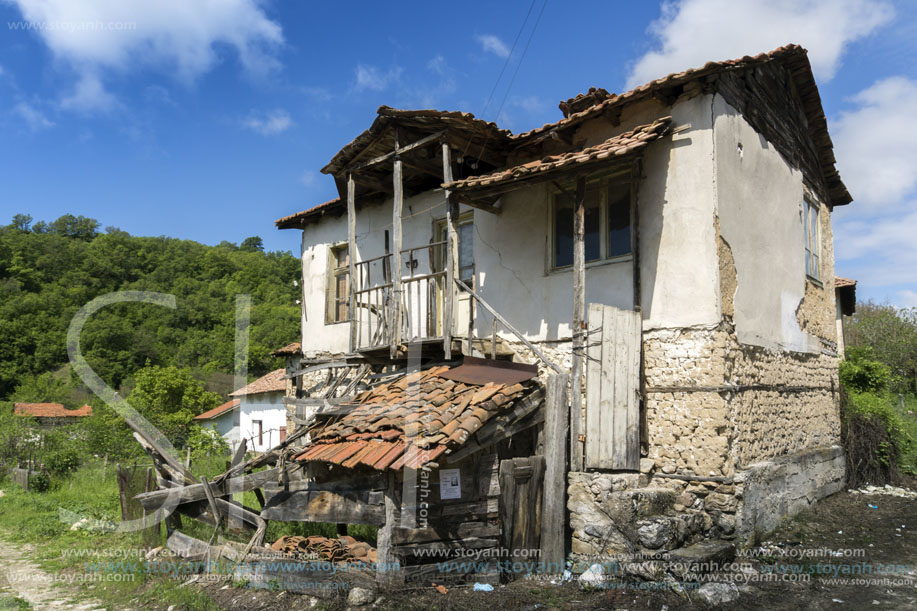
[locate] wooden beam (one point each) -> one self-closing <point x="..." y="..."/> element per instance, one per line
<point x="196" y="492"/>
<point x="553" y="523"/>
<point x="511" y="328"/>
<point x="397" y="203"/>
<point x="476" y="203"/>
<point x="450" y="255"/>
<point x="351" y="258"/>
<point x="579" y="314"/>
<point x="311" y="368"/>
<point x="398" y="151"/>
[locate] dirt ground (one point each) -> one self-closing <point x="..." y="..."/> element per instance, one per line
<point x="833" y="557"/>
<point x="830" y="557"/>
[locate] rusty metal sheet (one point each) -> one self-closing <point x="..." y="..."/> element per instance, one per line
<point x="479" y="371"/>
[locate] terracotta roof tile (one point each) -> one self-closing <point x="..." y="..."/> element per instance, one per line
<point x="381" y="432"/>
<point x="842" y="282"/>
<point x="50" y="410"/>
<point x="219" y="410"/>
<point x="293" y="349"/>
<point x="271" y="382"/>
<point x="296" y="221"/>
<point x="618" y="146"/>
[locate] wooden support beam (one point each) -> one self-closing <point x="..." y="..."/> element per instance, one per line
<point x="351" y="258"/>
<point x="553" y="522"/>
<point x="579" y="314"/>
<point x="196" y="492"/>
<point x="398" y="151"/>
<point x="540" y="354"/>
<point x="397" y="203"/>
<point x="451" y="254"/>
<point x="212" y="501"/>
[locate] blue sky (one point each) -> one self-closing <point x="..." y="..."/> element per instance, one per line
<point x="209" y="120"/>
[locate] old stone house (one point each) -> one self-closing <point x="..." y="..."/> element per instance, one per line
<point x="669" y="249"/>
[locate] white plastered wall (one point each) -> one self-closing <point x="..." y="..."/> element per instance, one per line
<point x="760" y="208"/>
<point x="267" y="407"/>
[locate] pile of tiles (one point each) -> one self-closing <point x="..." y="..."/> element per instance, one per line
<point x="344" y="549"/>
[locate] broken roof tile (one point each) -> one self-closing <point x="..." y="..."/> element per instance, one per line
<point x="408" y="421"/>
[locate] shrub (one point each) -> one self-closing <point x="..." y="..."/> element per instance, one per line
<point x="875" y="438"/>
<point x="861" y="373"/>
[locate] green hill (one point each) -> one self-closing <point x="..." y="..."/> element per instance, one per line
<point x="50" y="270"/>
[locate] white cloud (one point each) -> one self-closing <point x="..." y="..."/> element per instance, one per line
<point x="374" y="79"/>
<point x="878" y="251"/>
<point x="308" y="178"/>
<point x="907" y="299"/>
<point x="174" y="36"/>
<point x="492" y="44"/>
<point x="876" y="151"/>
<point x="268" y="123"/>
<point x="88" y="96"/>
<point x="692" y="32"/>
<point x="34" y="119"/>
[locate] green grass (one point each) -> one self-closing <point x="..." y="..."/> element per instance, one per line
<point x="909" y="425"/>
<point x="91" y="491"/>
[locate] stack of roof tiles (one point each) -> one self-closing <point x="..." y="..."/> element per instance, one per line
<point x="342" y="549"/>
<point x="410" y="422"/>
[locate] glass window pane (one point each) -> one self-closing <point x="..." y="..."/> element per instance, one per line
<point x="563" y="233"/>
<point x="619" y="237"/>
<point x="563" y="229"/>
<point x="466" y="245"/>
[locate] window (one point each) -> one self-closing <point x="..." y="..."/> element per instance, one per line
<point x="607" y="231"/>
<point x="259" y="430"/>
<point x="337" y="285"/>
<point x="283" y="434"/>
<point x="813" y="239"/>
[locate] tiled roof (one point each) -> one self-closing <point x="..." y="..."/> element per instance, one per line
<point x="296" y="221"/>
<point x="842" y="282"/>
<point x="271" y="382"/>
<point x="629" y="142"/>
<point x="210" y="414"/>
<point x="50" y="410"/>
<point x="427" y="119"/>
<point x="409" y="422"/>
<point x="293" y="349"/>
<point x="792" y="56"/>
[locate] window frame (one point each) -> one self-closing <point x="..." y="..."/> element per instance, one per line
<point x="333" y="272"/>
<point x="812" y="251"/>
<point x="260" y="425"/>
<point x="603" y="183"/>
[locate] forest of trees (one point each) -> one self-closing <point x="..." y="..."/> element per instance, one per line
<point x="49" y="270"/>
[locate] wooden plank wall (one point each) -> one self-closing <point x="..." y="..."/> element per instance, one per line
<point x="613" y="388"/>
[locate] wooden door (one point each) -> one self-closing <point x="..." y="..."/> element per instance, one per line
<point x="613" y="388"/>
<point x="521" y="485"/>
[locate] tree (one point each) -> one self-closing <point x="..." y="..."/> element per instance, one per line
<point x="891" y="334"/>
<point x="79" y="227"/>
<point x="169" y="397"/>
<point x="252" y="244"/>
<point x="22" y="222"/>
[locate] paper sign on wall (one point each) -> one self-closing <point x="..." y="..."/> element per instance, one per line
<point x="450" y="484"/>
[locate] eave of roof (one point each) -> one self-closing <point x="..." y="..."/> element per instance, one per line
<point x="293" y="349"/>
<point x="219" y="410"/>
<point x="621" y="146"/>
<point x="436" y="119"/>
<point x="298" y="220"/>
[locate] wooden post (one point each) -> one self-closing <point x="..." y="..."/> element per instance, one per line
<point x="451" y="255"/>
<point x="385" y="559"/>
<point x="397" y="203"/>
<point x="579" y="313"/>
<point x="351" y="258"/>
<point x="553" y="523"/>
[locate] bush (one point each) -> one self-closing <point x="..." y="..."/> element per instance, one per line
<point x="876" y="439"/>
<point x="39" y="482"/>
<point x="860" y="372"/>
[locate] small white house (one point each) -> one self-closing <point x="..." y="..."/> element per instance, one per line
<point x="224" y="420"/>
<point x="262" y="414"/>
